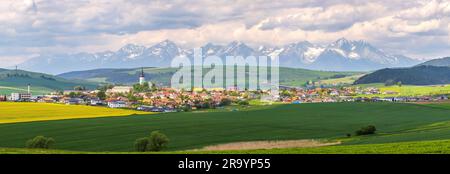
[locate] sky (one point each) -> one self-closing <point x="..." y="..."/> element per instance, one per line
<point x="28" y="28"/>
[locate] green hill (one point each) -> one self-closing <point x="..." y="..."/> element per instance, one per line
<point x="418" y="75"/>
<point x="17" y="81"/>
<point x="288" y="76"/>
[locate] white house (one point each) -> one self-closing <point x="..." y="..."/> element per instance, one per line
<point x="20" y="96"/>
<point x="117" y="104"/>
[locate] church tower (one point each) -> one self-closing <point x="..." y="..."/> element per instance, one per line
<point x="142" y="77"/>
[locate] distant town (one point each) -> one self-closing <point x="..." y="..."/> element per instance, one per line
<point x="147" y="96"/>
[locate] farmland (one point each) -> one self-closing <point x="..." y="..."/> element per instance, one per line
<point x="26" y="112"/>
<point x="396" y="122"/>
<point x="408" y="90"/>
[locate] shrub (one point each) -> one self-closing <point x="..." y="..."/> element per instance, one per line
<point x="141" y="144"/>
<point x="243" y="103"/>
<point x="366" y="130"/>
<point x="158" y="141"/>
<point x="40" y="142"/>
<point x="225" y="102"/>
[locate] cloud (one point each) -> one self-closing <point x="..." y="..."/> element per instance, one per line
<point x="410" y="27"/>
<point x="333" y="18"/>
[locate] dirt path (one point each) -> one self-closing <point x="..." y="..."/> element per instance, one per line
<point x="268" y="145"/>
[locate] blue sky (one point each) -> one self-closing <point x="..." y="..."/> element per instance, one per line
<point x="415" y="28"/>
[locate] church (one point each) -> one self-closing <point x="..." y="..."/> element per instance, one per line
<point x="142" y="77"/>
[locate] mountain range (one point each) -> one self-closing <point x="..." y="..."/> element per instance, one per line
<point x="341" y="55"/>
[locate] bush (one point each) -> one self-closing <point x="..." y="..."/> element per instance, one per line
<point x="366" y="130"/>
<point x="243" y="103"/>
<point x="40" y="142"/>
<point x="156" y="142"/>
<point x="225" y="102"/>
<point x="141" y="144"/>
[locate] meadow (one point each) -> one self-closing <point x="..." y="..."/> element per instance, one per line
<point x="396" y="122"/>
<point x="407" y="90"/>
<point x="415" y="147"/>
<point x="13" y="112"/>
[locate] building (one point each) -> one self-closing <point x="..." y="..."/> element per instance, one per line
<point x="120" y="89"/>
<point x="20" y="96"/>
<point x="117" y="104"/>
<point x="3" y="98"/>
<point x="96" y="102"/>
<point x="142" y="77"/>
<point x="74" y="101"/>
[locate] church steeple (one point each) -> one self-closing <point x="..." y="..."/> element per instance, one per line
<point x="142" y="72"/>
<point x="142" y="77"/>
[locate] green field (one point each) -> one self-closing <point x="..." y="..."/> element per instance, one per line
<point x="408" y="90"/>
<point x="395" y="122"/>
<point x="416" y="147"/>
<point x="349" y="80"/>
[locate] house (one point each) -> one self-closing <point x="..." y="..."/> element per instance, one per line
<point x="73" y="101"/>
<point x="120" y="89"/>
<point x="20" y="96"/>
<point x="3" y="98"/>
<point x="96" y="102"/>
<point x="117" y="104"/>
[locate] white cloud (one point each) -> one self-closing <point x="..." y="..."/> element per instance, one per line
<point x="417" y="28"/>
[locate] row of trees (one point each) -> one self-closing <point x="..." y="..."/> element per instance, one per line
<point x="155" y="142"/>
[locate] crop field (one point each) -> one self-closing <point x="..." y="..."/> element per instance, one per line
<point x="408" y="90"/>
<point x="396" y="122"/>
<point x="26" y="112"/>
<point x="341" y="81"/>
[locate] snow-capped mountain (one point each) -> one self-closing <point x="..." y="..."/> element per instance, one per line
<point x="342" y="55"/>
<point x="345" y="55"/>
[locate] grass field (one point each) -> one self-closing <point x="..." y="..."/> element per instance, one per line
<point x="25" y="112"/>
<point x="395" y="122"/>
<point x="416" y="147"/>
<point x="408" y="90"/>
<point x="341" y="81"/>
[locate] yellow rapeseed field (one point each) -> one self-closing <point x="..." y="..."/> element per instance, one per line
<point x="25" y="112"/>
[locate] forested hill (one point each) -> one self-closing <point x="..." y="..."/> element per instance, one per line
<point x="418" y="75"/>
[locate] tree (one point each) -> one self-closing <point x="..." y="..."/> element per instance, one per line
<point x="243" y="103"/>
<point x="389" y="82"/>
<point x="158" y="141"/>
<point x="72" y="94"/>
<point x="141" y="144"/>
<point x="366" y="130"/>
<point x="40" y="142"/>
<point x="399" y="84"/>
<point x="101" y="95"/>
<point x="225" y="102"/>
<point x="154" y="88"/>
<point x="79" y="88"/>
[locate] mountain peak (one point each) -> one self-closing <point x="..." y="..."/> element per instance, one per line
<point x="131" y="48"/>
<point x="165" y="43"/>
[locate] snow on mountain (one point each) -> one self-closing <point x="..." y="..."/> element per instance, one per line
<point x="341" y="55"/>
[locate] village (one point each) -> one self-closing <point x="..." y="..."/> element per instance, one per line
<point x="146" y="96"/>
